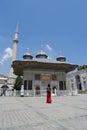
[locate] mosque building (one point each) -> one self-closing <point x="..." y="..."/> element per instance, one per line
<point x="40" y="71"/>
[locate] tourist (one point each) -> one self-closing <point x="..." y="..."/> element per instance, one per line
<point x="49" y="99"/>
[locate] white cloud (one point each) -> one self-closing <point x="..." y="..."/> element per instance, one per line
<point x="8" y="51"/>
<point x="7" y="55"/>
<point x="49" y="48"/>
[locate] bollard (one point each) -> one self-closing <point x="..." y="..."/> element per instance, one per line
<point x="22" y="91"/>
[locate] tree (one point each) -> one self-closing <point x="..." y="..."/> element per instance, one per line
<point x="82" y="67"/>
<point x="18" y="83"/>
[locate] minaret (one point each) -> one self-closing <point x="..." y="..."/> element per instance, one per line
<point x="12" y="76"/>
<point x="15" y="43"/>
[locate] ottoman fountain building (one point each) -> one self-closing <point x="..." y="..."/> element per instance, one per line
<point x="40" y="71"/>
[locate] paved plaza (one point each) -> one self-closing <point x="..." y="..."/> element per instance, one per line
<point x="33" y="113"/>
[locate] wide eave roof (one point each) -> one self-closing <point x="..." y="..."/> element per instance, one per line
<point x="19" y="66"/>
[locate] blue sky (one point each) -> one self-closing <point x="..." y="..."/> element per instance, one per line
<point x="57" y="25"/>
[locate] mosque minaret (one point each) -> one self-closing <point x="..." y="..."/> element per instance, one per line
<point x="12" y="76"/>
<point x="15" y="44"/>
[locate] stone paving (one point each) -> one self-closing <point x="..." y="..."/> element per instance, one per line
<point x="33" y="113"/>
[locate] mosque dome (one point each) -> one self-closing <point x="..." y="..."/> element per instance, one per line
<point x="61" y="58"/>
<point x="27" y="56"/>
<point x="41" y="54"/>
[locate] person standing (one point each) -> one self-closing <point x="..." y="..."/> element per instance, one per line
<point x="49" y="98"/>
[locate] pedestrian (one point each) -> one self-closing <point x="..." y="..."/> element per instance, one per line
<point x="49" y="98"/>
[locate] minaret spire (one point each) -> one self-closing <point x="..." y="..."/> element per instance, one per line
<point x="15" y="43"/>
<point x="11" y="77"/>
<point x="16" y="34"/>
<point x="17" y="28"/>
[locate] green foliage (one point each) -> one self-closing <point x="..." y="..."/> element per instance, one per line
<point x="18" y="83"/>
<point x="82" y="67"/>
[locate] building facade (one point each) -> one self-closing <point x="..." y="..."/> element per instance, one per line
<point x="40" y="71"/>
<point x="3" y="80"/>
<point x="77" y="80"/>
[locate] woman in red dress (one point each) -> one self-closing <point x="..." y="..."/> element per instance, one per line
<point x="49" y="99"/>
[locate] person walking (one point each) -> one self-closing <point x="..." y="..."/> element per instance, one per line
<point x="49" y="98"/>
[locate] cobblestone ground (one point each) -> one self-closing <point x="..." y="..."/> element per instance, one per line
<point x="33" y="113"/>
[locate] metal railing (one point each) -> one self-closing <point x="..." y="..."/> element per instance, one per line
<point x="38" y="93"/>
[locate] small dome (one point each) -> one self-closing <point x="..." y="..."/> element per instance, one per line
<point x="61" y="58"/>
<point x="41" y="54"/>
<point x="27" y="56"/>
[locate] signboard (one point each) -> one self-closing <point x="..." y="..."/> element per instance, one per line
<point x="45" y="77"/>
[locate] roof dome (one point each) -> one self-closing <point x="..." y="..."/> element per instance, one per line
<point x="61" y="58"/>
<point x="27" y="56"/>
<point x="41" y="54"/>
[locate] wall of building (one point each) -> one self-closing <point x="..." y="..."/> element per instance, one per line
<point x="3" y="79"/>
<point x="39" y="79"/>
<point x="78" y="80"/>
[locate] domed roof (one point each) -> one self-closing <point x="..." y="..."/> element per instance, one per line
<point x="41" y="54"/>
<point x="61" y="58"/>
<point x="27" y="55"/>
